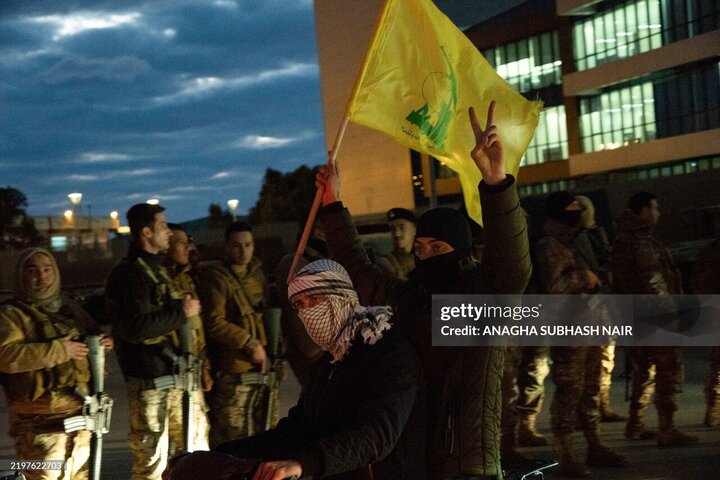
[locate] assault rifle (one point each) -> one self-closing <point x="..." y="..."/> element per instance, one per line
<point x="97" y="408"/>
<point x="271" y="320"/>
<point x="186" y="376"/>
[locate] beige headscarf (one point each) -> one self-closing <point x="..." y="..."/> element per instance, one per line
<point x="587" y="219"/>
<point x="47" y="297"/>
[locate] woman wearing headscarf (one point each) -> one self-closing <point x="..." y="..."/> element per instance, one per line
<point x="42" y="362"/>
<point x="354" y="419"/>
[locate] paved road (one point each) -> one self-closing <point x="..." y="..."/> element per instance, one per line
<point x="646" y="460"/>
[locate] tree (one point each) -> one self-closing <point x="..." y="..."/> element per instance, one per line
<point x="284" y="197"/>
<point x="17" y="230"/>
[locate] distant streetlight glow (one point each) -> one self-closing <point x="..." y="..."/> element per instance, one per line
<point x="75" y="198"/>
<point x="114" y="214"/>
<point x="153" y="201"/>
<point x="232" y="205"/>
<point x="115" y="220"/>
<point x="68" y="215"/>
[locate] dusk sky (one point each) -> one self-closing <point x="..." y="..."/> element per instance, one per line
<point x="187" y="101"/>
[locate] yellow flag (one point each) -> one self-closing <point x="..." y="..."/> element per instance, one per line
<point x="421" y="74"/>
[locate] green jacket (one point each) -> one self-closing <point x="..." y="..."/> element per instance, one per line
<point x="232" y="313"/>
<point x="463" y="383"/>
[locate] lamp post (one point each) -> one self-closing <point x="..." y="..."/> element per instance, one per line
<point x="75" y="199"/>
<point x="232" y="205"/>
<point x="115" y="220"/>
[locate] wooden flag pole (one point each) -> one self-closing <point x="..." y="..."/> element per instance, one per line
<point x="316" y="202"/>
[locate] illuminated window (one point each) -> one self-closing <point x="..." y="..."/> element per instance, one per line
<point x="528" y="64"/>
<point x="674" y="104"/>
<point x="550" y="140"/>
<point x="58" y="243"/>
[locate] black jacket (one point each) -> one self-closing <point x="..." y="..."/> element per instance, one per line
<point x="354" y="417"/>
<point x="143" y="318"/>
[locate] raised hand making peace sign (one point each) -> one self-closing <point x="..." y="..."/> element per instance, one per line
<point x="488" y="153"/>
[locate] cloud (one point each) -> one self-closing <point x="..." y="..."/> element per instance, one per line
<point x="101" y="157"/>
<point x="259" y="142"/>
<point x="204" y="86"/>
<point x="220" y="175"/>
<point x="74" y="23"/>
<point x="121" y="69"/>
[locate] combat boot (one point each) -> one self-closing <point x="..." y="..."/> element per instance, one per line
<point x="607" y="414"/>
<point x="599" y="455"/>
<point x="567" y="465"/>
<point x="528" y="436"/>
<point x="635" y="428"/>
<point x="669" y="436"/>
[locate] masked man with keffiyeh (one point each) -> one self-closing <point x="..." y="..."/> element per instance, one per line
<point x="463" y="383"/>
<point x="355" y="419"/>
<point x="42" y="361"/>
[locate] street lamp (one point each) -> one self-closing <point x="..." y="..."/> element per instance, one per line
<point x="115" y="220"/>
<point x="153" y="201"/>
<point x="75" y="199"/>
<point x="232" y="205"/>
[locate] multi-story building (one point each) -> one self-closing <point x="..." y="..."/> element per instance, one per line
<point x="631" y="90"/>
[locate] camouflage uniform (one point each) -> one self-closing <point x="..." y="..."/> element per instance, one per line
<point x="182" y="284"/>
<point x="642" y="265"/>
<point x="523" y="392"/>
<point x="233" y="306"/>
<point x="591" y="245"/>
<point x="39" y="380"/>
<point x="146" y="318"/>
<point x="706" y="281"/>
<point x="561" y="269"/>
<point x="398" y="262"/>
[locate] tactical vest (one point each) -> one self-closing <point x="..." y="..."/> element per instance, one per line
<point x="29" y="386"/>
<point x="163" y="294"/>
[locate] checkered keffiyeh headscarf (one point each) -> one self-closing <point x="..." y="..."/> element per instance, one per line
<point x="334" y="323"/>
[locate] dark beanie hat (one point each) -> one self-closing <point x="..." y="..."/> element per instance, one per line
<point x="556" y="202"/>
<point x="447" y="225"/>
<point x="401" y="213"/>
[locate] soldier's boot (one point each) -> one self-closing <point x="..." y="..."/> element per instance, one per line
<point x="599" y="455"/>
<point x="607" y="414"/>
<point x="568" y="466"/>
<point x="669" y="436"/>
<point x="712" y="415"/>
<point x="635" y="428"/>
<point x="528" y="436"/>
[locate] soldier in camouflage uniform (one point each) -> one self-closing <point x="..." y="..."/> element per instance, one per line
<point x="41" y="364"/>
<point x="593" y="244"/>
<point x="146" y="318"/>
<point x="177" y="264"/>
<point x="233" y="296"/>
<point x="641" y="265"/>
<point x="706" y="281"/>
<point x="401" y="261"/>
<point x="561" y="269"/>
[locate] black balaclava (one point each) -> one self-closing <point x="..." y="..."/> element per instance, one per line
<point x="451" y="227"/>
<point x="555" y="205"/>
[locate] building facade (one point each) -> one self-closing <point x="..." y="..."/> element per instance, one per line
<point x="631" y="90"/>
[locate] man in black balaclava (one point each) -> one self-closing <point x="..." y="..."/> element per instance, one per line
<point x="561" y="269"/>
<point x="463" y="439"/>
<point x="443" y="247"/>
